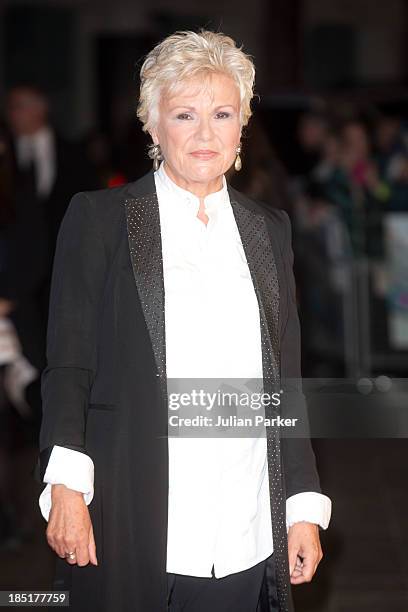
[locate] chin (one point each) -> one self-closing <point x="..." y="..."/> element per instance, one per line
<point x="206" y="173"/>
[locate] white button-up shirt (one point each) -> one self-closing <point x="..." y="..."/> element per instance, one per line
<point x="219" y="508"/>
<point x="39" y="148"/>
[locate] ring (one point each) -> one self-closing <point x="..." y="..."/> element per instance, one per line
<point x="71" y="555"/>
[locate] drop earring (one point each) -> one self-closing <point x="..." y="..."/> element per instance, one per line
<point x="238" y="162"/>
<point x="156" y="155"/>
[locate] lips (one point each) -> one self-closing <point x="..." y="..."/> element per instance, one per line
<point x="204" y="154"/>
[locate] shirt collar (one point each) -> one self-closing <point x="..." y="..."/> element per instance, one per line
<point x="212" y="202"/>
<point x="41" y="135"/>
<point x="30" y="145"/>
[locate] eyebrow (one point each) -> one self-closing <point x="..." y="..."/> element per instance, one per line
<point x="192" y="108"/>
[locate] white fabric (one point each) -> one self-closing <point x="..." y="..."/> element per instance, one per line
<point x="69" y="467"/>
<point x="218" y="493"/>
<point x="311" y="506"/>
<point x="39" y="148"/>
<point x="219" y="509"/>
<point x="18" y="371"/>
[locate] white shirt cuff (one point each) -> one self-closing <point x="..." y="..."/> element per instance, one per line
<point x="310" y="506"/>
<point x="69" y="467"/>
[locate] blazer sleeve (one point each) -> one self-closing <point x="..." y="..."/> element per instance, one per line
<point x="299" y="463"/>
<point x="77" y="286"/>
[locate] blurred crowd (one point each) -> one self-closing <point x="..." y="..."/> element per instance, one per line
<point x="361" y="169"/>
<point x="341" y="176"/>
<point x="341" y="180"/>
<point x="39" y="173"/>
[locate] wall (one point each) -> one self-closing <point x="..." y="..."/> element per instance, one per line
<point x="120" y="16"/>
<point x="380" y="29"/>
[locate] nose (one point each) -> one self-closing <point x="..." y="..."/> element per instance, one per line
<point x="204" y="130"/>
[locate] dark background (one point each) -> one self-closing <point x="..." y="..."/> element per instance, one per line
<point x="346" y="58"/>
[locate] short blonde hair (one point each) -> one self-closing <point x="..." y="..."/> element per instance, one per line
<point x="187" y="54"/>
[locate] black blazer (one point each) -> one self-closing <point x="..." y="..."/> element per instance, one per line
<point x="29" y="239"/>
<point x="103" y="388"/>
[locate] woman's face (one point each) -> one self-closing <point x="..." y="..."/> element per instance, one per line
<point x="199" y="130"/>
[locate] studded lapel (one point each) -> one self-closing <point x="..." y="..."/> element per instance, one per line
<point x="261" y="262"/>
<point x="144" y="237"/>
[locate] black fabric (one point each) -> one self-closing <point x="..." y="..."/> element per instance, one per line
<point x="29" y="242"/>
<point x="261" y="261"/>
<point x="239" y="592"/>
<point x="102" y="393"/>
<point x="26" y="178"/>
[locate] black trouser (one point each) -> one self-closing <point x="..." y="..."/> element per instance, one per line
<point x="237" y="592"/>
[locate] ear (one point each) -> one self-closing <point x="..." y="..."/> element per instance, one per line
<point x="153" y="134"/>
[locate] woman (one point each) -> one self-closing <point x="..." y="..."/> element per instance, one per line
<point x="175" y="276"/>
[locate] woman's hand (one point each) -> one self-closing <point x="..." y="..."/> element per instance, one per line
<point x="305" y="552"/>
<point x="70" y="527"/>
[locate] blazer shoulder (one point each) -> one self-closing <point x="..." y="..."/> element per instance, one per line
<point x="106" y="195"/>
<point x="278" y="221"/>
<point x="106" y="204"/>
<point x="112" y="199"/>
<point x="277" y="216"/>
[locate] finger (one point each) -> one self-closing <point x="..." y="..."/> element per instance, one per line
<point x="305" y="567"/>
<point x="82" y="554"/>
<point x="309" y="566"/>
<point x="297" y="579"/>
<point x="92" y="548"/>
<point x="54" y="542"/>
<point x="59" y="550"/>
<point x="55" y="534"/>
<point x="295" y="576"/>
<point x="70" y="547"/>
<point x="292" y="552"/>
<point x="59" y="546"/>
<point x="297" y="573"/>
<point x="61" y="554"/>
<point x="69" y="559"/>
